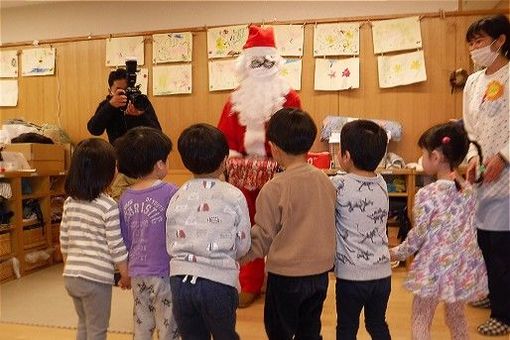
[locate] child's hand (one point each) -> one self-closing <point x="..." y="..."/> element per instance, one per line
<point x="125" y="282"/>
<point x="393" y="256"/>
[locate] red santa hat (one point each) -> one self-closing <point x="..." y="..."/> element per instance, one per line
<point x="260" y="40"/>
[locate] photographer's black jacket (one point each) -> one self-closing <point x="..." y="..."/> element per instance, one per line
<point x="116" y="123"/>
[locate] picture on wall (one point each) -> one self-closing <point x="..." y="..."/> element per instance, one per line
<point x="289" y="39"/>
<point x="8" y="63"/>
<point x="171" y="79"/>
<point x="9" y="92"/>
<point x="336" y="74"/>
<point x="142" y="79"/>
<point x="396" y="35"/>
<point x="402" y="69"/>
<point x="38" y="61"/>
<point x="224" y="42"/>
<point x="120" y="49"/>
<point x="222" y="75"/>
<point x="172" y="47"/>
<point x="336" y="39"/>
<point x="291" y="70"/>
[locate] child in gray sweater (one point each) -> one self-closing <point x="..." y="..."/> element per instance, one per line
<point x="362" y="259"/>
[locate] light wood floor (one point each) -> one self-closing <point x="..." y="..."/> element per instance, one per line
<point x="250" y="321"/>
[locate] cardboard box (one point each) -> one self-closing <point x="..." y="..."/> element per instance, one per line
<point x="43" y="157"/>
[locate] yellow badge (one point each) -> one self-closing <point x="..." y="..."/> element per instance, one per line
<point x="494" y="90"/>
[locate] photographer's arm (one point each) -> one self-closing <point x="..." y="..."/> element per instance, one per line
<point x="149" y="117"/>
<point x="105" y="112"/>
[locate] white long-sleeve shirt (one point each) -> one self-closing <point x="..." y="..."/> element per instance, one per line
<point x="486" y="119"/>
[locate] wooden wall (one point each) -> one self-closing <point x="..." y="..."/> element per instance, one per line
<point x="70" y="97"/>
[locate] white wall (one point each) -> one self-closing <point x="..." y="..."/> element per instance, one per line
<point x="81" y="18"/>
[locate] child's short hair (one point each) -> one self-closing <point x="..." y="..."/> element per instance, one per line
<point x="92" y="169"/>
<point x="366" y="142"/>
<point x="292" y="130"/>
<point x="139" y="149"/>
<point x="449" y="138"/>
<point x="203" y="148"/>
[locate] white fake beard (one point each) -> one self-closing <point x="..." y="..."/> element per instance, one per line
<point x="256" y="100"/>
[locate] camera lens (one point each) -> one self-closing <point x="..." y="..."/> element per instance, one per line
<point x="140" y="101"/>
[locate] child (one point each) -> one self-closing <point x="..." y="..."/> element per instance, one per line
<point x="208" y="229"/>
<point x="90" y="238"/>
<point x="449" y="266"/>
<point x="142" y="154"/>
<point x="362" y="260"/>
<point x="295" y="228"/>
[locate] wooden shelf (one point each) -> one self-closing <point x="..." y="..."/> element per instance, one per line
<point x="33" y="246"/>
<point x="35" y="195"/>
<point x="31" y="223"/>
<point x="6" y="257"/>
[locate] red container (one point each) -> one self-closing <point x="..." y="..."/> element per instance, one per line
<point x="321" y="160"/>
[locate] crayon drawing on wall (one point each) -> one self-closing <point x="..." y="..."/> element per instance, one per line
<point x="396" y="35"/>
<point x="8" y="63"/>
<point x="171" y="79"/>
<point x="336" y="74"/>
<point x="38" y="61"/>
<point x="172" y="47"/>
<point x="120" y="49"/>
<point x="402" y="69"/>
<point x="222" y="75"/>
<point x="336" y="39"/>
<point x="224" y="42"/>
<point x="289" y="39"/>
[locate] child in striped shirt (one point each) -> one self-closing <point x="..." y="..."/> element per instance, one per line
<point x="90" y="238"/>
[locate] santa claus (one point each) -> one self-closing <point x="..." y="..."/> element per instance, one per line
<point x="261" y="92"/>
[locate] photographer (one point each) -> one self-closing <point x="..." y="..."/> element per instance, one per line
<point x="114" y="116"/>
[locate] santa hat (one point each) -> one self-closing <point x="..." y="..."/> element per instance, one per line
<point x="260" y="40"/>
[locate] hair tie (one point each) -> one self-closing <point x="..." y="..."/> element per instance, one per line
<point x="445" y="140"/>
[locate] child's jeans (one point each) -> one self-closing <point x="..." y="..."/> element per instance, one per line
<point x="203" y="308"/>
<point x="153" y="308"/>
<point x="352" y="297"/>
<point x="294" y="305"/>
<point x="92" y="302"/>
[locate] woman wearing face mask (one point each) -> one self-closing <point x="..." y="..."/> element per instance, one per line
<point x="486" y="115"/>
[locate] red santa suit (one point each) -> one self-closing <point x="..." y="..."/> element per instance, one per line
<point x="243" y="121"/>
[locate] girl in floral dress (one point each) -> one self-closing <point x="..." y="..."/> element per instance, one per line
<point x="449" y="266"/>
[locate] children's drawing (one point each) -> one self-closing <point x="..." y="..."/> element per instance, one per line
<point x="8" y="63"/>
<point x="336" y="39"/>
<point x="38" y="62"/>
<point x="8" y="92"/>
<point x="402" y="69"/>
<point x="120" y="49"/>
<point x="396" y="34"/>
<point x="289" y="39"/>
<point x="142" y="79"/>
<point x="227" y="41"/>
<point x="222" y="75"/>
<point x="171" y="79"/>
<point x="291" y="71"/>
<point x="336" y="74"/>
<point x="172" y="47"/>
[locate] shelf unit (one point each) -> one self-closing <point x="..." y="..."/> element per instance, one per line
<point x="25" y="237"/>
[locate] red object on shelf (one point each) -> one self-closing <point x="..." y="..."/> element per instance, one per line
<point x="321" y="160"/>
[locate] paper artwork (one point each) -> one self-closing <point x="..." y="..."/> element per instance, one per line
<point x="402" y="69"/>
<point x="8" y="92"/>
<point x="142" y="79"/>
<point x="172" y="47"/>
<point x="396" y="35"/>
<point x="291" y="71"/>
<point x="120" y="49"/>
<point x="336" y="39"/>
<point x="38" y="62"/>
<point x="227" y="41"/>
<point x="171" y="79"/>
<point x="336" y="74"/>
<point x="222" y="75"/>
<point x="289" y="39"/>
<point x="8" y="64"/>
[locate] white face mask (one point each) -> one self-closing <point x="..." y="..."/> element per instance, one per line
<point x="484" y="56"/>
